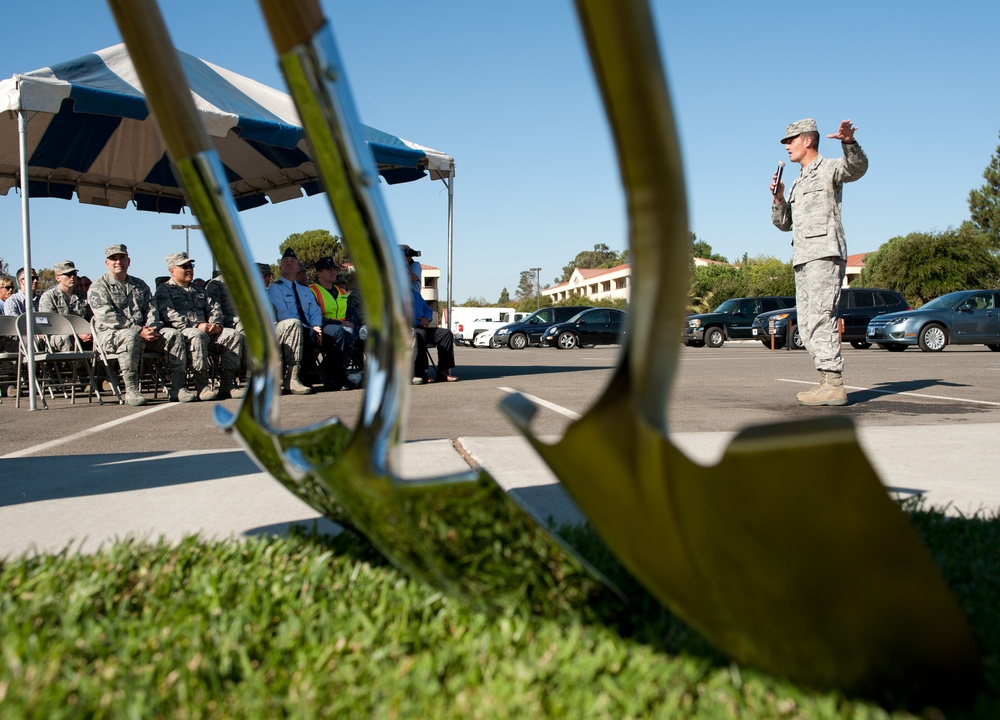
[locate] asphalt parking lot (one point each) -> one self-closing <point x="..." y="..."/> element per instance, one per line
<point x="79" y="476"/>
<point x="724" y="389"/>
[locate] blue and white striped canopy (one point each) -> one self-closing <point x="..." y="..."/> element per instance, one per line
<point x="90" y="133"/>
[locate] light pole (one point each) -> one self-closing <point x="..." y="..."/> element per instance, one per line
<point x="187" y="240"/>
<point x="538" y="285"/>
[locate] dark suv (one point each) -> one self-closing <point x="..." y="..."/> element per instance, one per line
<point x="730" y="321"/>
<point x="857" y="307"/>
<point x="519" y="335"/>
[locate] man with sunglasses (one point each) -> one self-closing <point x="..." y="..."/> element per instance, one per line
<point x="188" y="309"/>
<point x="128" y="324"/>
<point x="17" y="303"/>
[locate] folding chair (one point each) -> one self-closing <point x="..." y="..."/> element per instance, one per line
<point x="49" y="375"/>
<point x="82" y="326"/>
<point x="10" y="356"/>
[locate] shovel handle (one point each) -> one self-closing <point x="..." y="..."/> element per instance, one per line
<point x="292" y="22"/>
<point x="148" y="42"/>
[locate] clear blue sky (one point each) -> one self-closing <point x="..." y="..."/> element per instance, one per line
<point x="506" y="89"/>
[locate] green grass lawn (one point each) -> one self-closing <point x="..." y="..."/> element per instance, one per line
<point x="323" y="627"/>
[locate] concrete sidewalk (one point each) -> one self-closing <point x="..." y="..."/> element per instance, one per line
<point x="53" y="502"/>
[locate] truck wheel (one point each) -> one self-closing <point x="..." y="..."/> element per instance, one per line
<point x="797" y="343"/>
<point x="714" y="337"/>
<point x="494" y="343"/>
<point x="518" y="341"/>
<point x="566" y="341"/>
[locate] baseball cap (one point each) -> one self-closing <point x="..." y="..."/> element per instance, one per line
<point x="66" y="267"/>
<point x="177" y="258"/>
<point x="797" y="128"/>
<point x="115" y="250"/>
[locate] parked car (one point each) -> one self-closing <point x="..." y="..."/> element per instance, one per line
<point x="597" y="326"/>
<point x="857" y="307"/>
<point x="966" y="317"/>
<point x="730" y="321"/>
<point x="519" y="335"/>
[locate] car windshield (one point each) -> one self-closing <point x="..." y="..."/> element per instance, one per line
<point x="728" y="307"/>
<point x="945" y="301"/>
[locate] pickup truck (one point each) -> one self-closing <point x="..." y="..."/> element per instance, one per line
<point x="467" y="331"/>
<point x="732" y="320"/>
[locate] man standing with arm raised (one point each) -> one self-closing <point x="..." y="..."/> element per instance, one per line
<point x="812" y="213"/>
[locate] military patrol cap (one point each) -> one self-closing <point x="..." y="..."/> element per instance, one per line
<point x="177" y="258"/>
<point x="289" y="253"/>
<point x="797" y="128"/>
<point x="66" y="267"/>
<point x="115" y="250"/>
<point x="265" y="269"/>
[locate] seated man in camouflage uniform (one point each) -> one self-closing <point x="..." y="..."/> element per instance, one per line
<point x="62" y="299"/>
<point x="188" y="309"/>
<point x="127" y="324"/>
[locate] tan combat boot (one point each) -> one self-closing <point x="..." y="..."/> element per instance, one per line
<point x="133" y="396"/>
<point x="293" y="384"/>
<point x="830" y="391"/>
<point x="204" y="390"/>
<point x="227" y="386"/>
<point x="178" y="392"/>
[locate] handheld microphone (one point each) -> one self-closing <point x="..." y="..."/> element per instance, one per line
<point x="777" y="181"/>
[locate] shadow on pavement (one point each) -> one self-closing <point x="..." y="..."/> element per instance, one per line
<point x="34" y="479"/>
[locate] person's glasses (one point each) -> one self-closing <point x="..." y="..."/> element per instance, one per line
<point x="187" y="265"/>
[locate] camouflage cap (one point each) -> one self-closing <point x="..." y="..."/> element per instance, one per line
<point x="177" y="258"/>
<point x="797" y="128"/>
<point x="115" y="250"/>
<point x="66" y="267"/>
<point x="265" y="269"/>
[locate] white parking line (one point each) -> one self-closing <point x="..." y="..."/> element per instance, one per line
<point x="892" y="392"/>
<point x="85" y="433"/>
<point x="545" y="404"/>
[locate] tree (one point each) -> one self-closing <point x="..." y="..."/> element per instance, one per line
<point x="984" y="203"/>
<point x="476" y="302"/>
<point x="525" y="287"/>
<point x="504" y="300"/>
<point x="311" y="245"/>
<point x="600" y="257"/>
<point x="701" y="249"/>
<point x="711" y="285"/>
<point x="923" y="266"/>
<point x="46" y="279"/>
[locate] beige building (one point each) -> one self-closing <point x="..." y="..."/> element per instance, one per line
<point x="594" y="284"/>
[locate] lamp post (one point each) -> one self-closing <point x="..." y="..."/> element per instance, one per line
<point x="187" y="240"/>
<point x="538" y="285"/>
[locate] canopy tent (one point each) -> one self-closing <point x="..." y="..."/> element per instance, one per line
<point x="83" y="127"/>
<point x="93" y="136"/>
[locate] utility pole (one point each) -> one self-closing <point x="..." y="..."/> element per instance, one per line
<point x="187" y="238"/>
<point x="538" y="285"/>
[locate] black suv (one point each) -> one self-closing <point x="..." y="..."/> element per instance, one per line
<point x="857" y="307"/>
<point x="519" y="335"/>
<point x="730" y="321"/>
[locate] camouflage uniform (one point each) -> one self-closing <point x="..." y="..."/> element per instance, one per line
<point x="812" y="213"/>
<point x="184" y="308"/>
<point x="121" y="310"/>
<point x="54" y="300"/>
<point x="217" y="290"/>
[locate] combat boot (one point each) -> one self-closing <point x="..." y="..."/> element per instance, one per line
<point x="293" y="384"/>
<point x="830" y="391"/>
<point x="202" y="387"/>
<point x="133" y="396"/>
<point x="227" y="386"/>
<point x="178" y="391"/>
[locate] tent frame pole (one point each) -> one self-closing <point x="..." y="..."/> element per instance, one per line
<point x="29" y="307"/>
<point x="450" y="183"/>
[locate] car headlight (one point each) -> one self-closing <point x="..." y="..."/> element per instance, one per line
<point x="897" y="321"/>
<point x="781" y="316"/>
<point x="502" y="331"/>
<point x="694" y="323"/>
<point x="550" y="330"/>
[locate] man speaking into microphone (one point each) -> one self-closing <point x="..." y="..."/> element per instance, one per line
<point x="819" y="255"/>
